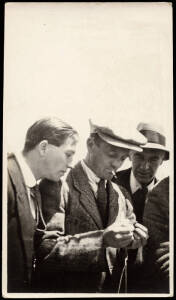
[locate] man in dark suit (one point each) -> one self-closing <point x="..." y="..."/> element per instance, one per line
<point x="139" y="180"/>
<point x="94" y="219"/>
<point x="48" y="150"/>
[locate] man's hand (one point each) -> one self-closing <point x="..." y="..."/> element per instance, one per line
<point x="162" y="255"/>
<point x="118" y="235"/>
<point x="140" y="235"/>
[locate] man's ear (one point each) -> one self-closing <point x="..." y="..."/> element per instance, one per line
<point x="130" y="155"/>
<point x="161" y="161"/>
<point x="43" y="147"/>
<point x="90" y="143"/>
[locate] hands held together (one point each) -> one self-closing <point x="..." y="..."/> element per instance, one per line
<point x="120" y="235"/>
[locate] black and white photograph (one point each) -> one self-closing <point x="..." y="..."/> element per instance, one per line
<point x="88" y="177"/>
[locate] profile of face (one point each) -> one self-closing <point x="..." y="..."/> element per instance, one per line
<point x="55" y="160"/>
<point x="145" y="164"/>
<point x="105" y="159"/>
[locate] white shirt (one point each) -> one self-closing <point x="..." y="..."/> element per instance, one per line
<point x="135" y="185"/>
<point x="92" y="178"/>
<point x="29" y="179"/>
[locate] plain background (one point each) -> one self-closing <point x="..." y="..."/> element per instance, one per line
<point x="87" y="60"/>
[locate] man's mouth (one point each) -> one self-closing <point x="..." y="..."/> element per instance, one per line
<point x="143" y="174"/>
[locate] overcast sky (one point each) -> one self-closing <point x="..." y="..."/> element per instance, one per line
<point x="87" y="60"/>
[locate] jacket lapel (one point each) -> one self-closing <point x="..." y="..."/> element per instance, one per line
<point x="87" y="198"/>
<point x="27" y="223"/>
<point x="123" y="179"/>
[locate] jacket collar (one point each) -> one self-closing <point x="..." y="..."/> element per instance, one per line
<point x="29" y="178"/>
<point x="80" y="181"/>
<point x="135" y="185"/>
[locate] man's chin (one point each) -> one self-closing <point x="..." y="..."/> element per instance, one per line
<point x="143" y="179"/>
<point x="108" y="176"/>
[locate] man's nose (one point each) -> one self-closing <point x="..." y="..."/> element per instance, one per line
<point x="145" y="165"/>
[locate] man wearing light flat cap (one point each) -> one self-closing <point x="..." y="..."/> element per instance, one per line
<point x="95" y="220"/>
<point x="139" y="180"/>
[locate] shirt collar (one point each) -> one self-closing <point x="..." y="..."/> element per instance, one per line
<point x="135" y="185"/>
<point x="29" y="178"/>
<point x="90" y="174"/>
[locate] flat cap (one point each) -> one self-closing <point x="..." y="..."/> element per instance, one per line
<point x="126" y="136"/>
<point x="156" y="138"/>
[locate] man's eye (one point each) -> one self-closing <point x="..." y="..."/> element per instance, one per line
<point x="68" y="155"/>
<point x="154" y="159"/>
<point x="112" y="155"/>
<point x="123" y="158"/>
<point x="138" y="157"/>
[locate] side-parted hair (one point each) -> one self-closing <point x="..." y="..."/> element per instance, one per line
<point x="52" y="129"/>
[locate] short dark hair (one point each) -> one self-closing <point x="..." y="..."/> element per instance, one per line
<point x="52" y="129"/>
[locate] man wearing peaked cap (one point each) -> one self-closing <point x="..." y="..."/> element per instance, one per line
<point x="124" y="137"/>
<point x="95" y="220"/>
<point x="140" y="179"/>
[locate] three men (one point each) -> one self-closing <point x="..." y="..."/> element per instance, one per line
<point x="139" y="180"/>
<point x="48" y="151"/>
<point x="94" y="220"/>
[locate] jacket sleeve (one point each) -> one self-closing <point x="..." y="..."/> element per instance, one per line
<point x="80" y="252"/>
<point x="10" y="198"/>
<point x="156" y="214"/>
<point x="156" y="219"/>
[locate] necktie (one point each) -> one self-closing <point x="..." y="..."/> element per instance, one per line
<point x="36" y="198"/>
<point x="139" y="198"/>
<point x="102" y="201"/>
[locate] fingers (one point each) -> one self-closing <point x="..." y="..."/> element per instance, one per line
<point x="136" y="236"/>
<point x="165" y="265"/>
<point x="140" y="226"/>
<point x="142" y="234"/>
<point x="122" y="228"/>
<point x="161" y="251"/>
<point x="163" y="258"/>
<point x="164" y="245"/>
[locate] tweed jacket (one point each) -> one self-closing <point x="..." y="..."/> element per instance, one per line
<point x="156" y="214"/>
<point x="78" y="258"/>
<point x="21" y="228"/>
<point x="156" y="218"/>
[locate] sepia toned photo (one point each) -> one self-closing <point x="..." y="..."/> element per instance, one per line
<point x="88" y="179"/>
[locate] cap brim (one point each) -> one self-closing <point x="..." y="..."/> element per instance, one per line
<point x="119" y="143"/>
<point x="157" y="147"/>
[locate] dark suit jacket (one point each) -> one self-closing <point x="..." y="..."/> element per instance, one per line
<point x="21" y="228"/>
<point x="123" y="179"/>
<point x="78" y="261"/>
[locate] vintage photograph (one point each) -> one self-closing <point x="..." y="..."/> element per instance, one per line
<point x="88" y="148"/>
